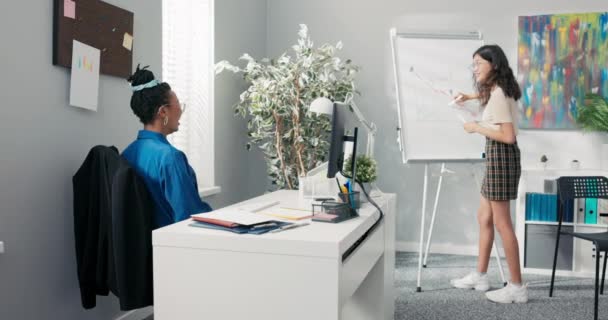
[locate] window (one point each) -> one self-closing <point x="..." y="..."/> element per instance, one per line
<point x="188" y="67"/>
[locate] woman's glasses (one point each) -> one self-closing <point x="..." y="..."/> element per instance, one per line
<point x="182" y="106"/>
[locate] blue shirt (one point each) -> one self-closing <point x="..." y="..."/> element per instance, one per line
<point x="168" y="176"/>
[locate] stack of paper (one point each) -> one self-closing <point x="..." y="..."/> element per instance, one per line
<point x="228" y="216"/>
<point x="287" y="213"/>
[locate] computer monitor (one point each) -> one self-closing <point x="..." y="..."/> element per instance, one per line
<point x="336" y="149"/>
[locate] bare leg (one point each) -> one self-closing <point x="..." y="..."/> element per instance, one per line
<point x="502" y="220"/>
<point x="486" y="234"/>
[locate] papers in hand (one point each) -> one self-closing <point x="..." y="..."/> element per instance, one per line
<point x="466" y="111"/>
<point x="241" y="217"/>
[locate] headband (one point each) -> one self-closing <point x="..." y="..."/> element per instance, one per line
<point x="150" y="84"/>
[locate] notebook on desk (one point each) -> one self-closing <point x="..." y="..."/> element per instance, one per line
<point x="255" y="229"/>
<point x="231" y="216"/>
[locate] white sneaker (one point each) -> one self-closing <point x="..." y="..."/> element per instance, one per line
<point x="473" y="280"/>
<point x="509" y="294"/>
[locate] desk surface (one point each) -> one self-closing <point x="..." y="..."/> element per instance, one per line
<point x="318" y="239"/>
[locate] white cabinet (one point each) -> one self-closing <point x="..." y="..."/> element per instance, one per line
<point x="582" y="251"/>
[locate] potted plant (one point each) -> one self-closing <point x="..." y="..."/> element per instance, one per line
<point x="276" y="105"/>
<point x="366" y="171"/>
<point x="593" y="114"/>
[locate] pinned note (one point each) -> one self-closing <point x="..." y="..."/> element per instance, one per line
<point x="84" y="84"/>
<point x="127" y="41"/>
<point x="69" y="9"/>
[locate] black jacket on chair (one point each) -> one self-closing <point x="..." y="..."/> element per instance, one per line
<point x="113" y="230"/>
<point x="132" y="224"/>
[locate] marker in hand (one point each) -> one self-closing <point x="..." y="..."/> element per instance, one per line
<point x="455" y="101"/>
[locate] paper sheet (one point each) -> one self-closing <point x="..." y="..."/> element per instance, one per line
<point x="287" y="213"/>
<point x="467" y="112"/>
<point x="237" y="216"/>
<point x="84" y="84"/>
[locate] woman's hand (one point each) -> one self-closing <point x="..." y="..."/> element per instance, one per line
<point x="460" y="98"/>
<point x="471" y="127"/>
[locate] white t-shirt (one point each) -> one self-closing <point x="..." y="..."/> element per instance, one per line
<point x="500" y="109"/>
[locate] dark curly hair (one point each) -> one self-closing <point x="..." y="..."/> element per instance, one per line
<point x="145" y="103"/>
<point x="501" y="74"/>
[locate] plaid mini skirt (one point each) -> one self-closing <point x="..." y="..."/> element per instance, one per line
<point x="503" y="169"/>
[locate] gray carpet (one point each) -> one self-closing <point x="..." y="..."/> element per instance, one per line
<point x="572" y="297"/>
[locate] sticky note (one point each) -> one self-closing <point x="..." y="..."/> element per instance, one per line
<point x="69" y="9"/>
<point x="127" y="41"/>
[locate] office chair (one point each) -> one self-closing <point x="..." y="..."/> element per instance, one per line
<point x="570" y="188"/>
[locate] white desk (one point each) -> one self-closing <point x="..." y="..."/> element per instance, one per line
<point x="294" y="274"/>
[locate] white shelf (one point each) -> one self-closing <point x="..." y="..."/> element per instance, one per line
<point x="552" y="223"/>
<point x="549" y="223"/>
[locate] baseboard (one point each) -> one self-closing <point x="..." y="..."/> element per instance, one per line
<point x="441" y="248"/>
<point x="139" y="314"/>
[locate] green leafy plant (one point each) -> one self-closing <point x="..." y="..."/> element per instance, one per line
<point x="593" y="115"/>
<point x="276" y="105"/>
<point x="366" y="169"/>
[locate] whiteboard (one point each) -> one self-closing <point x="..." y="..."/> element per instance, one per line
<point x="429" y="70"/>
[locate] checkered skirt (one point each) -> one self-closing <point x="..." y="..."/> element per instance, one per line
<point x="503" y="169"/>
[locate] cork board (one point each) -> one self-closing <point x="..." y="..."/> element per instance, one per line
<point x="98" y="24"/>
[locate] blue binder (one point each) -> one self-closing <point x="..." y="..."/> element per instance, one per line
<point x="590" y="211"/>
<point x="568" y="213"/>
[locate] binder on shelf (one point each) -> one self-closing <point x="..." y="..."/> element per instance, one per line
<point x="590" y="211"/>
<point x="568" y="213"/>
<point x="551" y="203"/>
<point x="602" y="211"/>
<point x="541" y="207"/>
<point x="579" y="206"/>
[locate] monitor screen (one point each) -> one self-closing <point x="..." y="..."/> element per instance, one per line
<point x="336" y="149"/>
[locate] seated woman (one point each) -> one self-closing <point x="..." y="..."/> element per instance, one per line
<point x="168" y="176"/>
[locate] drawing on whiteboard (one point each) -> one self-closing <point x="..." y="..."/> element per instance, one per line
<point x="430" y="84"/>
<point x="430" y="94"/>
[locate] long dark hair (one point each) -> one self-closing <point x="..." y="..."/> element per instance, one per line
<point x="145" y="103"/>
<point x="501" y="74"/>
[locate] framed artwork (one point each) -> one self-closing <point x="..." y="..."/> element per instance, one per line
<point x="561" y="57"/>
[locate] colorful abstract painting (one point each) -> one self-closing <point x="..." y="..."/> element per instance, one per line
<point x="561" y="57"/>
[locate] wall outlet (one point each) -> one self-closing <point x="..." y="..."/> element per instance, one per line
<point x="1" y="247"/>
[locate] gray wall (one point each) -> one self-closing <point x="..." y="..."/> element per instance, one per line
<point x="240" y="27"/>
<point x="363" y="27"/>
<point x="43" y="141"/>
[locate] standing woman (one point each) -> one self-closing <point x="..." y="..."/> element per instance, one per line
<point x="498" y="92"/>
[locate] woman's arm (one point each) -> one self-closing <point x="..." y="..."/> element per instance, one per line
<point x="504" y="134"/>
<point x="462" y="97"/>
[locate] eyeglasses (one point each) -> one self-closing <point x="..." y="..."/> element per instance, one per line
<point x="182" y="106"/>
<point x="476" y="64"/>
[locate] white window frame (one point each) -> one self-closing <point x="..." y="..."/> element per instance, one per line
<point x="203" y="161"/>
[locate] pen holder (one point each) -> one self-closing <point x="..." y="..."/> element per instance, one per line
<point x="353" y="199"/>
<point x="332" y="211"/>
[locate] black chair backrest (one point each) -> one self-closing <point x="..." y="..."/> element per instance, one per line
<point x="569" y="188"/>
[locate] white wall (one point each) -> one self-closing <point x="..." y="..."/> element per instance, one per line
<point x="43" y="141"/>
<point x="240" y="26"/>
<point x="363" y="27"/>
